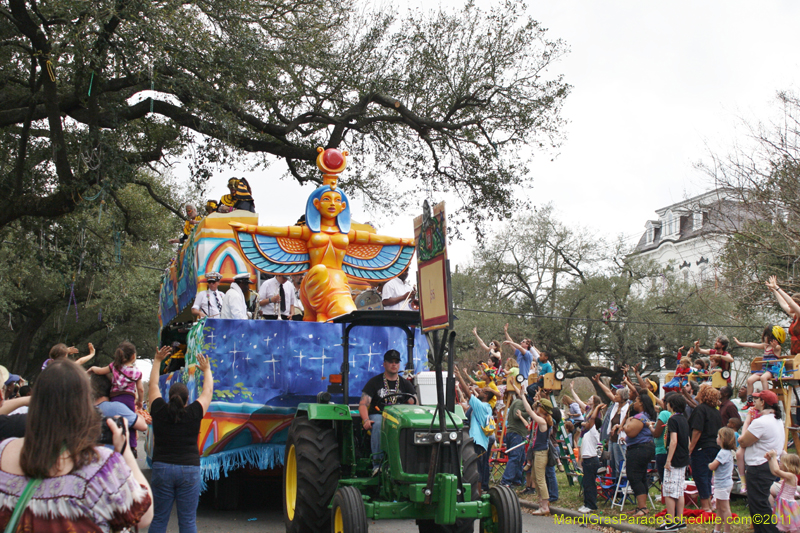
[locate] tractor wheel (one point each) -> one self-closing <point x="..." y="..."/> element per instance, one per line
<point x="506" y="514"/>
<point x="310" y="475"/>
<point x="469" y="474"/>
<point x="347" y="512"/>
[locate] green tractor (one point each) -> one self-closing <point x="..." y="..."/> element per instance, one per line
<point x="429" y="469"/>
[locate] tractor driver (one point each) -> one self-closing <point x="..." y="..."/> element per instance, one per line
<point x="374" y="399"/>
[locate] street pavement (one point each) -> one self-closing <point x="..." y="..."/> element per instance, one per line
<point x="261" y="511"/>
<point x="271" y="521"/>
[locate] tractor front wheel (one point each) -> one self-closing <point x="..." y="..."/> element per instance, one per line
<point x="506" y="513"/>
<point x="310" y="475"/>
<point x="347" y="512"/>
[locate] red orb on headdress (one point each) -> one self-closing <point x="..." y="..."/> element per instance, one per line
<point x="332" y="160"/>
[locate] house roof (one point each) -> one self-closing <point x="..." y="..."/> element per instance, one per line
<point x="722" y="214"/>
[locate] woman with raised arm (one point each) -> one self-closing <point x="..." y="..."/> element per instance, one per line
<point x="612" y="428"/>
<point x="541" y="417"/>
<point x="176" y="456"/>
<point x="493" y="348"/>
<point x="790" y="306"/>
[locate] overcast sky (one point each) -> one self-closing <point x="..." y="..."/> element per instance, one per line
<point x="655" y="85"/>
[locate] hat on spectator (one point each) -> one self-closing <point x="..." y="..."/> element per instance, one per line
<point x="4" y="374"/>
<point x="238" y="278"/>
<point x="392" y="355"/>
<point x="769" y="397"/>
<point x="215" y="276"/>
<point x="546" y="405"/>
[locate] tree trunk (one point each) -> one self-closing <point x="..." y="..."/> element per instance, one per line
<point x="17" y="356"/>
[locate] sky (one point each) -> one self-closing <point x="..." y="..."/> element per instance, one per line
<point x="657" y="87"/>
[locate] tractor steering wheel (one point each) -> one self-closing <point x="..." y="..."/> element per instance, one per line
<point x="408" y="394"/>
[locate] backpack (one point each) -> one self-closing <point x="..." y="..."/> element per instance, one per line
<point x="552" y="448"/>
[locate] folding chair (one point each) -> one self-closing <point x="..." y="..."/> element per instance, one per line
<point x="691" y="496"/>
<point x="653" y="481"/>
<point x="605" y="487"/>
<point x="624" y="492"/>
<point x="622" y="489"/>
<point x="497" y="464"/>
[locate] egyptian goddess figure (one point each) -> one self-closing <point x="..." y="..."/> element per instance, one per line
<point x="326" y="247"/>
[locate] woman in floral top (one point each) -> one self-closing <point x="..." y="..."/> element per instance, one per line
<point x="85" y="487"/>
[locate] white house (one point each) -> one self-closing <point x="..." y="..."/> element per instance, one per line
<point x="689" y="235"/>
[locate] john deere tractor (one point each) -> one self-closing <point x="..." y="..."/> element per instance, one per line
<point x="429" y="469"/>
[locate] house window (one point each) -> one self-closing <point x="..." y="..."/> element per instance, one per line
<point x="697" y="220"/>
<point x="650" y="234"/>
<point x="686" y="276"/>
<point x="672" y="225"/>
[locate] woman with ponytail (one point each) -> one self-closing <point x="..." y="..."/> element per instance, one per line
<point x="176" y="457"/>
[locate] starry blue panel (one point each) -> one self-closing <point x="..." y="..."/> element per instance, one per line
<point x="267" y="256"/>
<point x="389" y="262"/>
<point x="281" y="363"/>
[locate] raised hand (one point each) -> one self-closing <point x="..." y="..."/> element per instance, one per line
<point x="203" y="363"/>
<point x="162" y="353"/>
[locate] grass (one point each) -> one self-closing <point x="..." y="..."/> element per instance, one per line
<point x="571" y="497"/>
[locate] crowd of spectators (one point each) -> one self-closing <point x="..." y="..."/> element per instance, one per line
<point x="697" y="438"/>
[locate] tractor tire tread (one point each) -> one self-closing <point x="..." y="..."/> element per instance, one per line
<point x="318" y="470"/>
<point x="354" y="517"/>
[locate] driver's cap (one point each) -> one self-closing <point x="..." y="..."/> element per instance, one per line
<point x="392" y="355"/>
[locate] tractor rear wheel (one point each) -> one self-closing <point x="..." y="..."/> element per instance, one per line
<point x="310" y="475"/>
<point x="469" y="474"/>
<point x="506" y="514"/>
<point x="347" y="512"/>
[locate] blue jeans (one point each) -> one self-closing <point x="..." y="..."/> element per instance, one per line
<point x="513" y="474"/>
<point x="175" y="483"/>
<point x="590" y="467"/>
<point x="700" y="472"/>
<point x="617" y="456"/>
<point x="375" y="440"/>
<point x="552" y="482"/>
<point x="483" y="465"/>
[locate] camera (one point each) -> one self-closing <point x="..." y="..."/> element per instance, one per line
<point x="106" y="437"/>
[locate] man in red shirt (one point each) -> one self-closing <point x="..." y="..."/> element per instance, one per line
<point x="719" y="354"/>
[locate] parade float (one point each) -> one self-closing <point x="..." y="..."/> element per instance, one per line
<point x="264" y="368"/>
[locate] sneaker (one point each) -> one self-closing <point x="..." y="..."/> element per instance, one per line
<point x="584" y="510"/>
<point x="677" y="525"/>
<point x="664" y="526"/>
<point x="376" y="471"/>
<point x="528" y="490"/>
<point x="506" y="485"/>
